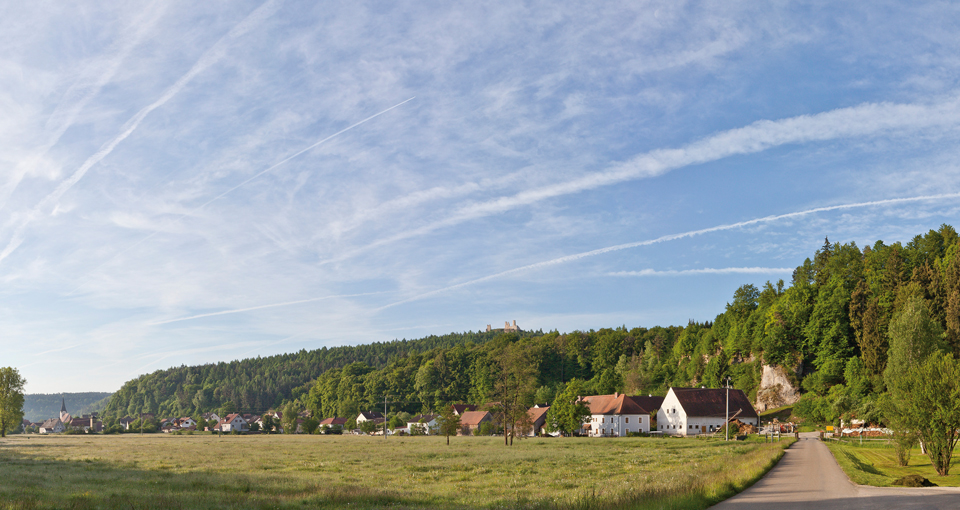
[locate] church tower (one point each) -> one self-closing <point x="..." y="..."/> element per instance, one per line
<point x="64" y="415"/>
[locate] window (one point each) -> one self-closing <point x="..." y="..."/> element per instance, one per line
<point x="627" y="420"/>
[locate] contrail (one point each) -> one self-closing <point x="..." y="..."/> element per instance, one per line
<point x="260" y="307"/>
<point x="209" y="58"/>
<point x="221" y="195"/>
<point x="707" y="270"/>
<point x="674" y="237"/>
<point x="87" y="88"/>
<point x="862" y="120"/>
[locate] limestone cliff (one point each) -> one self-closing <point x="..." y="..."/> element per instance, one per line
<point x="775" y="390"/>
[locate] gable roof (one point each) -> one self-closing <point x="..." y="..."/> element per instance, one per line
<point x="51" y="423"/>
<point x="426" y="418"/>
<point x="537" y="413"/>
<point x="473" y="418"/>
<point x="370" y="415"/>
<point x="713" y="402"/>
<point x="613" y="404"/>
<point x="334" y="421"/>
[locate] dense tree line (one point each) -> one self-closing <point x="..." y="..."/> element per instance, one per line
<point x="828" y="328"/>
<point x="262" y="383"/>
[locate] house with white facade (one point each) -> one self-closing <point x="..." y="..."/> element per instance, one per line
<point x="615" y="415"/>
<point x="233" y="422"/>
<point x="52" y="426"/>
<point x="373" y="416"/>
<point x="694" y="411"/>
<point x="423" y="424"/>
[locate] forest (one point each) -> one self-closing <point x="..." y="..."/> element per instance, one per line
<point x="827" y="328"/>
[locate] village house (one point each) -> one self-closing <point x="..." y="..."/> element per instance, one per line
<point x="471" y="420"/>
<point x="333" y="422"/>
<point x="538" y="418"/>
<point x="615" y="415"/>
<point x="373" y="416"/>
<point x="52" y="426"/>
<point x="233" y="422"/>
<point x="187" y="422"/>
<point x="423" y="424"/>
<point x="694" y="411"/>
<point x="126" y="421"/>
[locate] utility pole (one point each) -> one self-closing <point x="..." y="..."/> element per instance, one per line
<point x="384" y="416"/>
<point x="728" y="409"/>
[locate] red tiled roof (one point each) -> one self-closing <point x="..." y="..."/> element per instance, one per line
<point x="462" y="408"/>
<point x="473" y="418"/>
<point x="537" y="413"/>
<point x="613" y="404"/>
<point x="333" y="421"/>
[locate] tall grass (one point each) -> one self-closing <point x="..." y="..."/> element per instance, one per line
<point x="875" y="463"/>
<point x="369" y="472"/>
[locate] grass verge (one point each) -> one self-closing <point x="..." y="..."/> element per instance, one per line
<point x="158" y="471"/>
<point x="875" y="463"/>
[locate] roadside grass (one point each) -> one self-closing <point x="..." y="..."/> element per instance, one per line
<point x="875" y="463"/>
<point x="204" y="471"/>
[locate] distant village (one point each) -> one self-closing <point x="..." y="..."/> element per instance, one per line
<point x="682" y="412"/>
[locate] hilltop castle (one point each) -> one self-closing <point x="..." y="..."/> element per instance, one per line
<point x="507" y="327"/>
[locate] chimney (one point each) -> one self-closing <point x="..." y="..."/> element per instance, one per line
<point x="615" y="394"/>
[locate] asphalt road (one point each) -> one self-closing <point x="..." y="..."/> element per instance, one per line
<point x="808" y="477"/>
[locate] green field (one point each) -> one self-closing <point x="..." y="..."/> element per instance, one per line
<point x="206" y="471"/>
<point x="875" y="463"/>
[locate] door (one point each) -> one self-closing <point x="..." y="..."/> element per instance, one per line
<point x="703" y="429"/>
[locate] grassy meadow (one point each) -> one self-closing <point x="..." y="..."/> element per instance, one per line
<point x="260" y="471"/>
<point x="875" y="463"/>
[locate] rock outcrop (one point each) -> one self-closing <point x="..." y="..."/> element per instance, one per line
<point x="775" y="390"/>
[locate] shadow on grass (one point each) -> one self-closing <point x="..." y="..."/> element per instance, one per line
<point x="31" y="482"/>
<point x="862" y="466"/>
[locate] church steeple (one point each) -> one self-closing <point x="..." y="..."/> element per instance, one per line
<point x="64" y="415"/>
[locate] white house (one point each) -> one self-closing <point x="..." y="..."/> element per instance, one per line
<point x="52" y="426"/>
<point x="233" y="422"/>
<point x="369" y="416"/>
<point x="693" y="411"/>
<point x="615" y="415"/>
<point x="424" y="423"/>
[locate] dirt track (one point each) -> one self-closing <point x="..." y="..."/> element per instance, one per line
<point x="808" y="477"/>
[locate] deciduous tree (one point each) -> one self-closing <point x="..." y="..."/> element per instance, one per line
<point x="11" y="400"/>
<point x="449" y="422"/>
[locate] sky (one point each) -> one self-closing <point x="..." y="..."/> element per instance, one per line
<point x="192" y="182"/>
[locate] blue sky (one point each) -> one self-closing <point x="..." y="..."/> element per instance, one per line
<point x="185" y="183"/>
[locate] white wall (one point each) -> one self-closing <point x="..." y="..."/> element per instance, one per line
<point x="672" y="419"/>
<point x="618" y="424"/>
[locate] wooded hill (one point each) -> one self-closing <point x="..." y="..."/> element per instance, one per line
<point x="827" y="327"/>
<point x="259" y="384"/>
